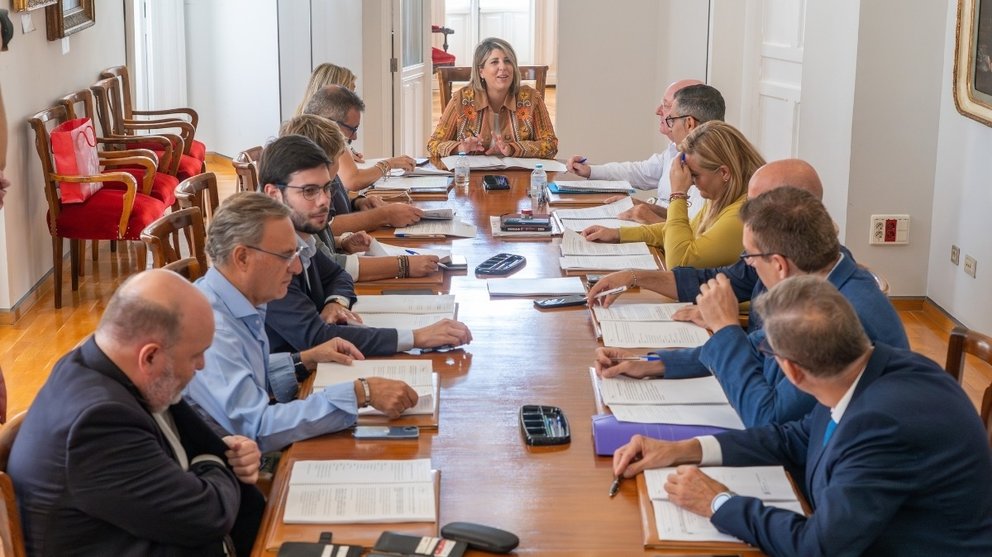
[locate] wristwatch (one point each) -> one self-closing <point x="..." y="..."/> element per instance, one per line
<point x="299" y="368"/>
<point x="720" y="499"/>
<point x="368" y="392"/>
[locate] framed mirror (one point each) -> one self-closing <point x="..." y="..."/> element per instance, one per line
<point x="66" y="17"/>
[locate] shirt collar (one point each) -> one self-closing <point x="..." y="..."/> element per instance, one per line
<point x="837" y="264"/>
<point x="236" y="302"/>
<point x="837" y="412"/>
<point x="309" y="250"/>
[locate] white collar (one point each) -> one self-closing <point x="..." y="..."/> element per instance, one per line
<point x="837" y="412"/>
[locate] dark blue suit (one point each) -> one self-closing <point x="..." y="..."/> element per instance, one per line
<point x="754" y="383"/>
<point x="294" y="324"/>
<point x="907" y="471"/>
<point x="95" y="475"/>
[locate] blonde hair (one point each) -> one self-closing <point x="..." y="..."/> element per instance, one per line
<point x="323" y="75"/>
<point x="479" y="59"/>
<point x="715" y="144"/>
<point x="318" y="129"/>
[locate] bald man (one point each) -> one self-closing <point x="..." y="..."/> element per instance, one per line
<point x="111" y="461"/>
<point x="650" y="174"/>
<point x="682" y="283"/>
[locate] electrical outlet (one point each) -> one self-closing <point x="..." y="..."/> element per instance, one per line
<point x="888" y="230"/>
<point x="970" y="266"/>
<point x="955" y="254"/>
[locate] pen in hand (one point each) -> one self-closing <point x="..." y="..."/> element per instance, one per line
<point x="582" y="160"/>
<point x="616" y="290"/>
<point x="615" y="486"/>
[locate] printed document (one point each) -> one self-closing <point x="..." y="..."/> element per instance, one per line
<point x="412" y="184"/>
<point x="716" y="415"/>
<point x="419" y="374"/>
<point x="535" y="287"/>
<point x="579" y="225"/>
<point x="607" y="262"/>
<point x="437" y="228"/>
<point x="488" y="162"/>
<point x="594" y="186"/>
<point x="621" y="311"/>
<point x="405" y="303"/>
<point x="403" y="320"/>
<point x="607" y="211"/>
<point x="627" y="390"/>
<point x="378" y="249"/>
<point x="652" y="334"/>
<point x="572" y="243"/>
<point x="360" y="491"/>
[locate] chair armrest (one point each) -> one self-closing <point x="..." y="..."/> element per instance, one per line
<point x="194" y="118"/>
<point x="186" y="129"/>
<point x="129" y="194"/>
<point x="168" y="164"/>
<point x="147" y="164"/>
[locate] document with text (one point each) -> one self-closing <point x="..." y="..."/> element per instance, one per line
<point x="594" y="186"/>
<point x="403" y="320"/>
<point x="607" y="262"/>
<point x="634" y="311"/>
<point x="572" y="243"/>
<point x="360" y="491"/>
<point x="652" y="334"/>
<point x="608" y="211"/>
<point x="419" y="374"/>
<point x="413" y="184"/>
<point x="436" y="229"/>
<point x="488" y="162"/>
<point x="536" y="287"/>
<point x="579" y="225"/>
<point x="715" y="415"/>
<point x="405" y="303"/>
<point x="627" y="390"/>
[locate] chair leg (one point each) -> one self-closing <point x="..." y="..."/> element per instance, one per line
<point x="113" y="246"/>
<point x="96" y="250"/>
<point x="141" y="254"/>
<point x="80" y="265"/>
<point x="57" y="270"/>
<point x="74" y="262"/>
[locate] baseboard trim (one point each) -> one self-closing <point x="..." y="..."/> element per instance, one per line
<point x="41" y="289"/>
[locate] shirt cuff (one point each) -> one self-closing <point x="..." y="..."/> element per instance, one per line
<point x="404" y="339"/>
<point x="352" y="266"/>
<point x="712" y="453"/>
<point x="282" y="377"/>
<point x="342" y="396"/>
<point x="341" y="300"/>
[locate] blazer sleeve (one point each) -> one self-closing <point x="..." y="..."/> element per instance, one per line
<point x="121" y="473"/>
<point x="535" y="122"/>
<point x="445" y="139"/>
<point x="333" y="278"/>
<point x="743" y="279"/>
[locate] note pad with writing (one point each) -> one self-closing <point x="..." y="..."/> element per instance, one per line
<point x="360" y="491"/>
<point x="535" y="287"/>
<point x="652" y="334"/>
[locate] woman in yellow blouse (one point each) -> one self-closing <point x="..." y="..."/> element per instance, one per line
<point x="495" y="100"/>
<point x="719" y="161"/>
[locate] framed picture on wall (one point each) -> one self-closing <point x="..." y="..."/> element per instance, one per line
<point x="66" y="17"/>
<point x="973" y="60"/>
<point x="23" y="5"/>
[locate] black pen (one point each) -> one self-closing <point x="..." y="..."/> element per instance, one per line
<point x="615" y="486"/>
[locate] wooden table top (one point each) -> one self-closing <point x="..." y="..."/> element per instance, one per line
<point x="554" y="498"/>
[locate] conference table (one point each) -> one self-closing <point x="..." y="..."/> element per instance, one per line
<point x="554" y="498"/>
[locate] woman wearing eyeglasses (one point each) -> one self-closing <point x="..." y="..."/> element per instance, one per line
<point x="495" y="114"/>
<point x="719" y="161"/>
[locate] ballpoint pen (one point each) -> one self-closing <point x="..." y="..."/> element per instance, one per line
<point x="411" y="252"/>
<point x="582" y="160"/>
<point x="615" y="486"/>
<point x="616" y="290"/>
<point x="646" y="358"/>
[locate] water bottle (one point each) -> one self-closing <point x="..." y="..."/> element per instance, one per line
<point x="461" y="170"/>
<point x="538" y="188"/>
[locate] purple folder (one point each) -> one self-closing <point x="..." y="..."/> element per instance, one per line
<point x="608" y="434"/>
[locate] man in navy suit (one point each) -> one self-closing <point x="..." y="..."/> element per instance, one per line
<point x="111" y="461"/>
<point x="894" y="458"/>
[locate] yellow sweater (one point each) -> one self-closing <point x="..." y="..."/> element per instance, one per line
<point x="720" y="245"/>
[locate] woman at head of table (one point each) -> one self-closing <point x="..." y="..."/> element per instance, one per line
<point x="495" y="101"/>
<point x="719" y="161"/>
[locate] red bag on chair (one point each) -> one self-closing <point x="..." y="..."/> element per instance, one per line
<point x="74" y="148"/>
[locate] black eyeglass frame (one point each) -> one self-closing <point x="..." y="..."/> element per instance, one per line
<point x="313" y="189"/>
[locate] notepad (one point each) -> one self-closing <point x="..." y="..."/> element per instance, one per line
<point x="418" y="374"/>
<point x="652" y="334"/>
<point x="360" y="491"/>
<point x="535" y="287"/>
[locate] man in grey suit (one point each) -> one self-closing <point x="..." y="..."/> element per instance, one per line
<point x="894" y="458"/>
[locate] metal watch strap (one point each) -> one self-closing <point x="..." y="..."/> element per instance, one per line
<point x="368" y="392"/>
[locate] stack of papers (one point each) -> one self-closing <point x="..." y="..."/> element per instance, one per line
<point x="378" y="249"/>
<point x="535" y="287"/>
<point x="579" y="254"/>
<point x="498" y="232"/>
<point x="405" y="311"/>
<point x="603" y="215"/>
<point x="419" y="374"/>
<point x="414" y="184"/>
<point x="696" y="401"/>
<point x="487" y="162"/>
<point x="423" y="168"/>
<point x="591" y="186"/>
<point x="360" y="491"/>
<point x="633" y="311"/>
<point x="437" y="229"/>
<point x="768" y="483"/>
<point x="652" y="334"/>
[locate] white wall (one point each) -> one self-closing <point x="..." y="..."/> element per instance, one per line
<point x="962" y="203"/>
<point x="34" y="74"/>
<point x="614" y="65"/>
<point x="232" y="55"/>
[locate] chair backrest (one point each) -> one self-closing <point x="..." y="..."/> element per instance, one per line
<point x="447" y="75"/>
<point x="961" y="342"/>
<point x="124" y="83"/>
<point x="246" y="166"/>
<point x="157" y="236"/>
<point x="11" y="532"/>
<point x="3" y="399"/>
<point x="188" y="267"/>
<point x="200" y="191"/>
<point x="81" y="104"/>
<point x="42" y="123"/>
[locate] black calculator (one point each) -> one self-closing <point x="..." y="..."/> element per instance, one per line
<point x="544" y="425"/>
<point x="501" y="264"/>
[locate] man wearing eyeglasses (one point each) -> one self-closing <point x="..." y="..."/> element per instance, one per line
<point x="675" y="123"/>
<point x="787" y="232"/>
<point x="256" y="256"/>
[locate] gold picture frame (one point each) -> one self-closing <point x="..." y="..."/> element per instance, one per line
<point x="66" y="17"/>
<point x="27" y="5"/>
<point x="973" y="60"/>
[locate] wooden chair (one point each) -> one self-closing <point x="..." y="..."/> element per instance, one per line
<point x="188" y="267"/>
<point x="246" y="166"/>
<point x="193" y="147"/>
<point x="11" y="532"/>
<point x="961" y="342"/>
<point x="3" y="399"/>
<point x="446" y="75"/>
<point x="157" y="236"/>
<point x="117" y="212"/>
<point x="200" y="192"/>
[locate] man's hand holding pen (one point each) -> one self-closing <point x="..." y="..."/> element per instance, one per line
<point x="611" y="362"/>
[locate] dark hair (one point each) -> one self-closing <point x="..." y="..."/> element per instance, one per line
<point x="334" y="102"/>
<point x="702" y="102"/>
<point x="811" y="324"/>
<point x="286" y="155"/>
<point x="794" y="224"/>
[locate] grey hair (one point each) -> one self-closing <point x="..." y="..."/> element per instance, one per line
<point x="240" y="220"/>
<point x="334" y="102"/>
<point x="132" y="319"/>
<point x="702" y="102"/>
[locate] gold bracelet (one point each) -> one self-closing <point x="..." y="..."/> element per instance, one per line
<point x="634" y="276"/>
<point x="383" y="167"/>
<point x="679" y="195"/>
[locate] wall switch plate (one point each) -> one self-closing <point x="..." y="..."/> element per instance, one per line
<point x="889" y="230"/>
<point x="970" y="266"/>
<point x="955" y="254"/>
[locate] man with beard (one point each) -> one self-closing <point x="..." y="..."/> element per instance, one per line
<point x="111" y="461"/>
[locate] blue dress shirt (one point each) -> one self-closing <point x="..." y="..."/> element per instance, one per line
<point x="240" y="377"/>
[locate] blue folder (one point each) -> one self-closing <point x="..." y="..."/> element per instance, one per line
<point x="608" y="434"/>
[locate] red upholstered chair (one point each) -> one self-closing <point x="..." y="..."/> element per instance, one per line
<point x="110" y="110"/>
<point x="246" y="166"/>
<point x="194" y="148"/>
<point x="112" y="213"/>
